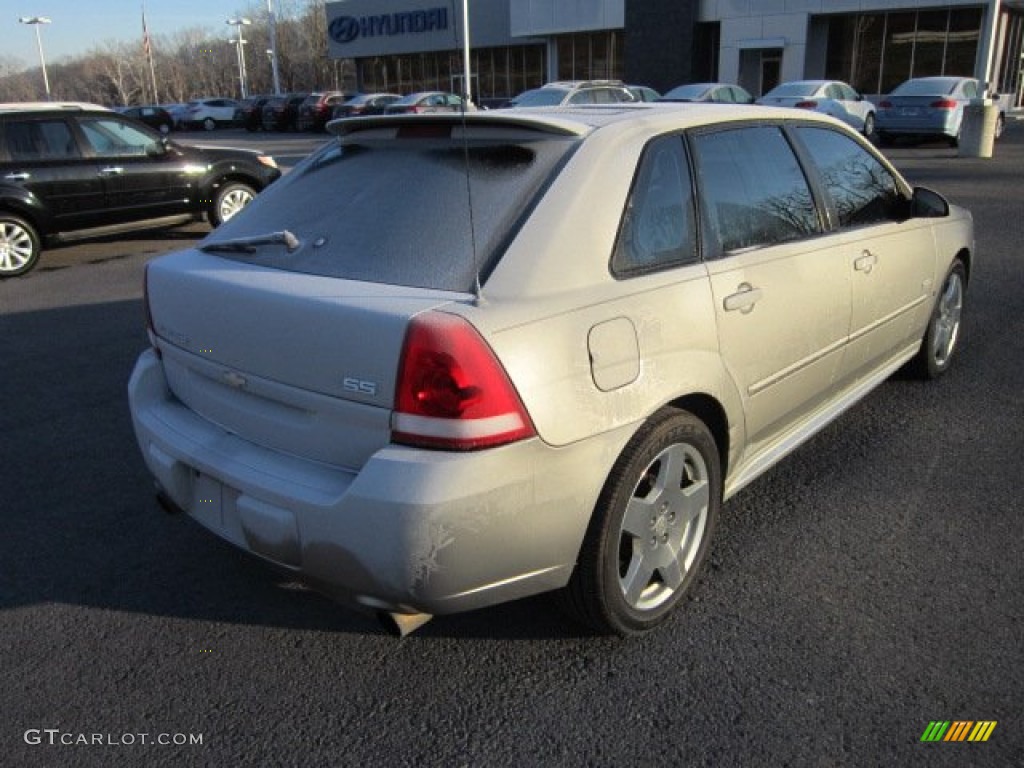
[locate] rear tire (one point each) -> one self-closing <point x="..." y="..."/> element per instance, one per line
<point x="209" y="124"/>
<point x="651" y="527"/>
<point x="869" y="125"/>
<point x="943" y="333"/>
<point x="19" y="246"/>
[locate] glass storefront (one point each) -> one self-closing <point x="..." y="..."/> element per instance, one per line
<point x="497" y="73"/>
<point x="875" y="52"/>
<point x="590" y="55"/>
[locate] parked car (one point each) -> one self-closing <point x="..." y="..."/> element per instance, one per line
<point x="643" y="93"/>
<point x="366" y="104"/>
<point x="155" y="117"/>
<point x="579" y="333"/>
<point x="575" y="92"/>
<point x="929" y="107"/>
<point x="829" y="97"/>
<point x="281" y="112"/>
<point x="177" y="113"/>
<point x="209" y="114"/>
<point x="426" y="102"/>
<point x="715" y="93"/>
<point x="249" y="112"/>
<point x="72" y="170"/>
<point x="317" y="108"/>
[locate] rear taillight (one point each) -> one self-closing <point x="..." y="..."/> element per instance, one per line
<point x="806" y="104"/>
<point x="452" y="392"/>
<point x="943" y="104"/>
<point x="885" y="105"/>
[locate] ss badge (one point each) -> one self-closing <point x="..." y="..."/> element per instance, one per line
<point x="359" y="386"/>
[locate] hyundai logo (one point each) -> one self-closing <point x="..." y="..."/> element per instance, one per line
<point x="344" y="29"/>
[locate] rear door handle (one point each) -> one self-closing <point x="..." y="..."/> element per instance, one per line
<point x="17" y="176"/>
<point x="111" y="170"/>
<point x="865" y="263"/>
<point x="743" y="300"/>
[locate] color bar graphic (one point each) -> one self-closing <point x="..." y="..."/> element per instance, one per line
<point x="935" y="731"/>
<point x="982" y="730"/>
<point x="958" y="730"/>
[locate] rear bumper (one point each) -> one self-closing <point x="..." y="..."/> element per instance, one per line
<point x="411" y="531"/>
<point x="947" y="125"/>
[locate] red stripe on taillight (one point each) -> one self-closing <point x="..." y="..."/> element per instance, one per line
<point x="885" y="105"/>
<point x="452" y="391"/>
<point x="806" y="104"/>
<point x="943" y="104"/>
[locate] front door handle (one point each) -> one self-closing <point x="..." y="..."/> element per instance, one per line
<point x="865" y="263"/>
<point x="743" y="300"/>
<point x="17" y="176"/>
<point x="111" y="170"/>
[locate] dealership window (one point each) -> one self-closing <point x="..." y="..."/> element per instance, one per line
<point x="590" y="55"/>
<point x="498" y="73"/>
<point x="875" y="52"/>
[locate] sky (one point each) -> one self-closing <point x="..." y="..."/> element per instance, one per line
<point x="79" y="25"/>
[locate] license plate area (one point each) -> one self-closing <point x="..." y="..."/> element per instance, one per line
<point x="207" y="500"/>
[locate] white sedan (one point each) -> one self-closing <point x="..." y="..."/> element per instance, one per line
<point x="830" y="97"/>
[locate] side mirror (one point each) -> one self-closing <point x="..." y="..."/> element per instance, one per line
<point x="926" y="204"/>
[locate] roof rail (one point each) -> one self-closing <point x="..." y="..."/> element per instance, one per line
<point x="49" y="106"/>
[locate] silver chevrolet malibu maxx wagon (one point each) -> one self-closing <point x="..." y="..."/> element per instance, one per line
<point x="452" y="360"/>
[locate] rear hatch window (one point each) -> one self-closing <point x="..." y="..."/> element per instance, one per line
<point x="409" y="206"/>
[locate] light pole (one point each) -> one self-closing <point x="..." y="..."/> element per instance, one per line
<point x="36" y="21"/>
<point x="272" y="26"/>
<point x="240" y="22"/>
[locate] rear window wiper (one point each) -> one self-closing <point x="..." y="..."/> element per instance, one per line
<point x="248" y="244"/>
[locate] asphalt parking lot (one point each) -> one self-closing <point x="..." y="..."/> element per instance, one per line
<point x="865" y="587"/>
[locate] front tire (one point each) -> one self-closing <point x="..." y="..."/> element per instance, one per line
<point x="229" y="200"/>
<point x="943" y="332"/>
<point x="209" y="124"/>
<point x="651" y="527"/>
<point x="19" y="246"/>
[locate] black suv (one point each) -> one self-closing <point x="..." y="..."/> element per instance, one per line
<point x="72" y="171"/>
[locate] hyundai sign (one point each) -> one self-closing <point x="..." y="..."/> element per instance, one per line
<point x="346" y="29"/>
<point x="362" y="28"/>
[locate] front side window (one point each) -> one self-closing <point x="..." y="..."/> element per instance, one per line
<point x="114" y="137"/>
<point x="754" y="191"/>
<point x="861" y="188"/>
<point x="658" y="226"/>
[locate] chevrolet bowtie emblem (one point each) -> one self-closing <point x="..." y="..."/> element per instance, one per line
<point x="233" y="379"/>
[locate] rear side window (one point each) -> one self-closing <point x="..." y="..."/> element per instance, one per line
<point x="861" y="189"/>
<point x="40" y="140"/>
<point x="754" y="191"/>
<point x="658" y="225"/>
<point x="425" y="212"/>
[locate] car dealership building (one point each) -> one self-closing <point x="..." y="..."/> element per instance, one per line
<point x="410" y="45"/>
